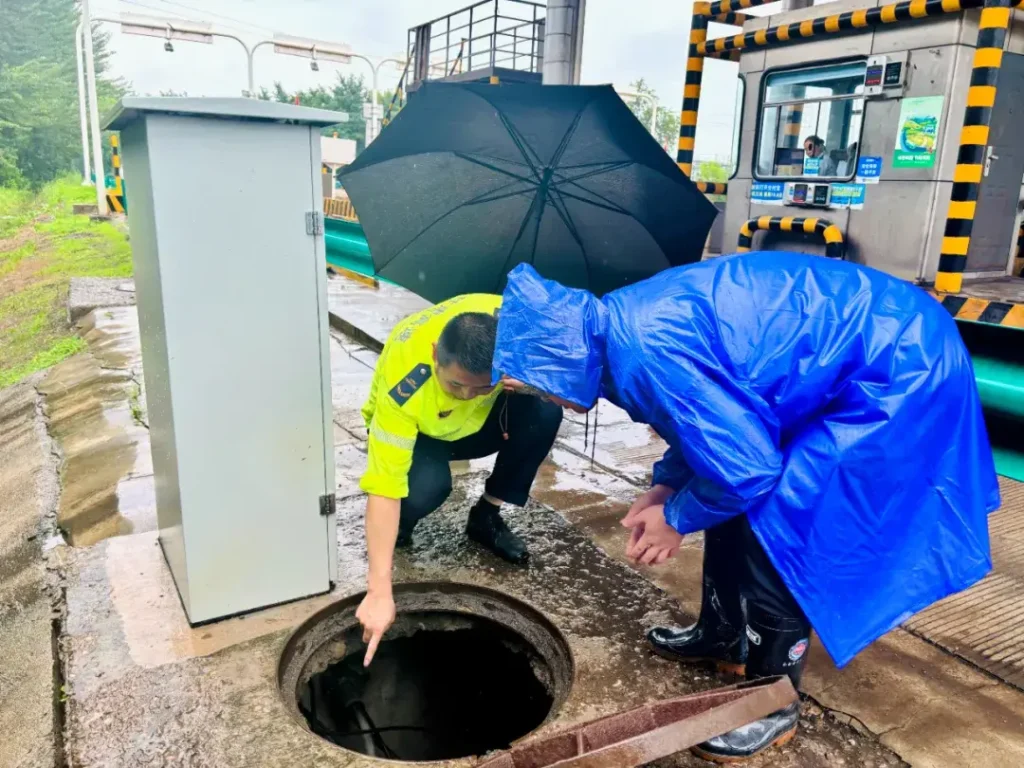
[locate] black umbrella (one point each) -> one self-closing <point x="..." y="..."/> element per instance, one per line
<point x="470" y="180"/>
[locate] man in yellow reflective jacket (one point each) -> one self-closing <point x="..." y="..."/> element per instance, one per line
<point x="432" y="402"/>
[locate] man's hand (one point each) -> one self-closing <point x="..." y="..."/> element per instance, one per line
<point x="658" y="495"/>
<point x="376" y="613"/>
<point x="653" y="541"/>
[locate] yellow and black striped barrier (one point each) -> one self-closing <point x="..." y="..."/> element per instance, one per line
<point x="970" y="161"/>
<point x="115" y="197"/>
<point x="691" y="90"/>
<point x="973" y="309"/>
<point x="837" y="23"/>
<point x="834" y="245"/>
<point x="722" y="11"/>
<point x="712" y="187"/>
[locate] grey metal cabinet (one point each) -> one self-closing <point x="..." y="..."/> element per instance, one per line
<point x="224" y="214"/>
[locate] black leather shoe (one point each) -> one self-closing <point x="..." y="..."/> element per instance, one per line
<point x="488" y="529"/>
<point x="747" y="741"/>
<point x="699" y="643"/>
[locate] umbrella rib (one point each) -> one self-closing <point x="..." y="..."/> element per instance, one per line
<point x="563" y="213"/>
<point x="522" y="228"/>
<point x="490" y="166"/>
<point x="596" y="171"/>
<point x="607" y="205"/>
<point x="568" y="135"/>
<point x="482" y="198"/>
<point x="521" y="145"/>
<point x="503" y="196"/>
<point x="610" y="206"/>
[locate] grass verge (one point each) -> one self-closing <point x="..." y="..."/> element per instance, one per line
<point x="42" y="246"/>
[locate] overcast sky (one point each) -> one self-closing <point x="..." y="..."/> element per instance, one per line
<point x="622" y="42"/>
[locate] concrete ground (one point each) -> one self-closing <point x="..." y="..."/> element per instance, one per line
<point x="106" y="670"/>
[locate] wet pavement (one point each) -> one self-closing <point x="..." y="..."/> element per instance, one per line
<point x="95" y="405"/>
<point x="29" y="717"/>
<point x="143" y="688"/>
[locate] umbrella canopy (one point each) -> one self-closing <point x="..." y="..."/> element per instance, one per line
<point x="472" y="179"/>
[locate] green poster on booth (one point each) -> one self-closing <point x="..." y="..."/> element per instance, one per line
<point x="918" y="132"/>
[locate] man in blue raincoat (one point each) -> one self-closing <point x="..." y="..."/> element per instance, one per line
<point x="824" y="429"/>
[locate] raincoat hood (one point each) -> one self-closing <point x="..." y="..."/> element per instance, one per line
<point x="551" y="337"/>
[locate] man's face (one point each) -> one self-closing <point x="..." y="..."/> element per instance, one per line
<point x="460" y="383"/>
<point x="812" y="149"/>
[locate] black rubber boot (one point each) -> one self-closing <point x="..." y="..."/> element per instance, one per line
<point x="777" y="646"/>
<point x="716" y="637"/>
<point x="487" y="529"/>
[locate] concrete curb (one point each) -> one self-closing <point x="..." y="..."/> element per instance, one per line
<point x="358" y="335"/>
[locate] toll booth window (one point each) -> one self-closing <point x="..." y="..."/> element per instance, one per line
<point x="811" y="122"/>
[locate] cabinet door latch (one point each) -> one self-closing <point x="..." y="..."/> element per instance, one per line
<point x="314" y="223"/>
<point x="328" y="505"/>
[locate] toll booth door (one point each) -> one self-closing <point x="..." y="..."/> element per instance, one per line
<point x="995" y="221"/>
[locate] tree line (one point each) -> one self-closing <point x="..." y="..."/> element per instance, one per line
<point x="39" y="125"/>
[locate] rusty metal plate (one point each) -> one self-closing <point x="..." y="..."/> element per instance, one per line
<point x="985" y="624"/>
<point x="638" y="736"/>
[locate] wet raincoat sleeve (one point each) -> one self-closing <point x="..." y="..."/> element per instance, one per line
<point x="672" y="470"/>
<point x="723" y="456"/>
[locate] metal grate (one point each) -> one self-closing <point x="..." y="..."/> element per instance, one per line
<point x="985" y="624"/>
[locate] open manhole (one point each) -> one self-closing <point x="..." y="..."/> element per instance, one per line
<point x="463" y="671"/>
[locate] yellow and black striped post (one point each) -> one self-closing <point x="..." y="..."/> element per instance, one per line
<point x="691" y="89"/>
<point x="115" y="160"/>
<point x="722" y="11"/>
<point x="115" y="198"/>
<point x="791" y="129"/>
<point x="834" y="245"/>
<point x="970" y="161"/>
<point x="713" y="187"/>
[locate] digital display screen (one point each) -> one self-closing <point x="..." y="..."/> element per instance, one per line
<point x="893" y="73"/>
<point x="821" y="194"/>
<point x="873" y="76"/>
<point x="799" y="193"/>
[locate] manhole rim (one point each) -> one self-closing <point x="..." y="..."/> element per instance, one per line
<point x="404" y="593"/>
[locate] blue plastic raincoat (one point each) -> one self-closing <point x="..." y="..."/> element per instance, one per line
<point x="832" y="404"/>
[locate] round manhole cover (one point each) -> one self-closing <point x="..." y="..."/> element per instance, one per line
<point x="463" y="671"/>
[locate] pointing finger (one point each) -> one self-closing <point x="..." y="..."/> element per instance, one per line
<point x="372" y="648"/>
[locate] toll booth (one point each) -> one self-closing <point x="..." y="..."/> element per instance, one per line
<point x="885" y="125"/>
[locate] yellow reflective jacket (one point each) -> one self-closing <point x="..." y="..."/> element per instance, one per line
<point x="406" y="399"/>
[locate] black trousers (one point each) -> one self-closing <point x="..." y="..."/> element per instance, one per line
<point x="532" y="425"/>
<point x="742" y="575"/>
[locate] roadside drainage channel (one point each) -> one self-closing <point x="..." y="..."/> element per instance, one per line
<point x="464" y="671"/>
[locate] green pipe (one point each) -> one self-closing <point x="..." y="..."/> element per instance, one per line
<point x="346" y="246"/>
<point x="1000" y="385"/>
<point x="1009" y="463"/>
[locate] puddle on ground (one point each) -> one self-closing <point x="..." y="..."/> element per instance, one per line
<point x="93" y="407"/>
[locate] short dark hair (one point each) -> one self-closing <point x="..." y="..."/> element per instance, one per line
<point x="468" y="339"/>
<point x="815" y="140"/>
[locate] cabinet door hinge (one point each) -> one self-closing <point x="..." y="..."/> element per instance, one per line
<point x="328" y="505"/>
<point x="314" y="223"/>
